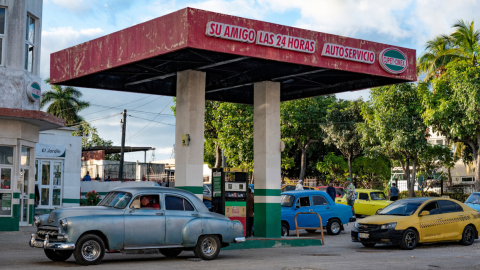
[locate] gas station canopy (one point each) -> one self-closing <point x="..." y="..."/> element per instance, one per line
<point x="235" y="53"/>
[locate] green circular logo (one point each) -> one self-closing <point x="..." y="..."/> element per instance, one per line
<point x="34" y="91"/>
<point x="393" y="60"/>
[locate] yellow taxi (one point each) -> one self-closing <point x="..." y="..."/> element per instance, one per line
<point x="419" y="220"/>
<point x="368" y="201"/>
<point x="290" y="187"/>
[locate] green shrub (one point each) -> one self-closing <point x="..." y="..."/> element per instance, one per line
<point x="92" y="198"/>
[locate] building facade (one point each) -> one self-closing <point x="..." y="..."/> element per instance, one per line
<point x="20" y="118"/>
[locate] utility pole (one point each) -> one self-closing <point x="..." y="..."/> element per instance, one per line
<point x="124" y="128"/>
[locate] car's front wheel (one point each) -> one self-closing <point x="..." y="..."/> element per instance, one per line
<point x="334" y="227"/>
<point x="58" y="255"/>
<point x="90" y="250"/>
<point x="208" y="247"/>
<point x="171" y="252"/>
<point x="409" y="239"/>
<point x="468" y="235"/>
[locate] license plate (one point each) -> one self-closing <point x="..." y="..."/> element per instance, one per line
<point x="38" y="244"/>
<point x="363" y="235"/>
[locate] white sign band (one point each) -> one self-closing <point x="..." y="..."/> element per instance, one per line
<point x="348" y="53"/>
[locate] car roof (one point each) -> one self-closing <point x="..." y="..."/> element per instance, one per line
<point x="367" y="190"/>
<point x="327" y="186"/>
<point x="135" y="190"/>
<point x="304" y="192"/>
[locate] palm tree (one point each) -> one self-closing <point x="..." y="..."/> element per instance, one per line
<point x="64" y="102"/>
<point x="462" y="44"/>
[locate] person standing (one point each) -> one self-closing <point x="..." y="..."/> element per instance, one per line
<point x="87" y="177"/>
<point x="350" y="194"/>
<point x="250" y="213"/>
<point x="98" y="177"/>
<point x="164" y="184"/>
<point x="299" y="185"/>
<point x="393" y="192"/>
<point x="331" y="191"/>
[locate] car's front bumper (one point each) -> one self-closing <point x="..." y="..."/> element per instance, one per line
<point x="45" y="244"/>
<point x="389" y="236"/>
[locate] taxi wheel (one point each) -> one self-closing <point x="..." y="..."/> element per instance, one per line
<point x="89" y="250"/>
<point x="409" y="239"/>
<point x="468" y="235"/>
<point x="170" y="252"/>
<point x="334" y="227"/>
<point x="58" y="255"/>
<point x="208" y="247"/>
<point x="285" y="231"/>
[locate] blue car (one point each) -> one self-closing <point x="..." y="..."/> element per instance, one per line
<point x="333" y="215"/>
<point x="473" y="201"/>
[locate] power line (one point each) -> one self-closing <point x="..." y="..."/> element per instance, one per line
<point x="91" y="121"/>
<point x="118" y="105"/>
<point x="150" y="120"/>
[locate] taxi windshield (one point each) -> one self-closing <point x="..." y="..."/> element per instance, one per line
<point x="401" y="208"/>
<point x="377" y="196"/>
<point x="116" y="199"/>
<point x="287" y="200"/>
<point x="474" y="199"/>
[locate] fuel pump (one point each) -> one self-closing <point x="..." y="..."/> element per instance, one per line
<point x="229" y="198"/>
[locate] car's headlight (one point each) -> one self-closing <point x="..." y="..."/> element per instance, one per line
<point x="37" y="221"/>
<point x="63" y="223"/>
<point x="388" y="226"/>
<point x="355" y="225"/>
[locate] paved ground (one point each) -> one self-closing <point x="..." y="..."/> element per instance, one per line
<point x="339" y="253"/>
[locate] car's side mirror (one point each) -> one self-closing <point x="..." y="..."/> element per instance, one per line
<point x="297" y="206"/>
<point x="133" y="209"/>
<point x="424" y="213"/>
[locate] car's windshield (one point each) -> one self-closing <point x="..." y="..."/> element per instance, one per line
<point x="116" y="199"/>
<point x="287" y="200"/>
<point x="401" y="208"/>
<point x="474" y="198"/>
<point x="377" y="196"/>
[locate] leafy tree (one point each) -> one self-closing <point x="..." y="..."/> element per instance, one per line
<point x="300" y="124"/>
<point x="64" y="102"/>
<point x="453" y="108"/>
<point x="90" y="138"/>
<point x="333" y="166"/>
<point x="462" y="44"/>
<point x="394" y="127"/>
<point x="340" y="129"/>
<point x="432" y="160"/>
<point x="371" y="170"/>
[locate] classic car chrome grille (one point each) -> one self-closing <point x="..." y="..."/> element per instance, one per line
<point x="367" y="227"/>
<point x="52" y="232"/>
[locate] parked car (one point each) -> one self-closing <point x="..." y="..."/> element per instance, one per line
<point x="368" y="202"/>
<point x="338" y="190"/>
<point x="290" y="187"/>
<point x="411" y="221"/>
<point x="473" y="201"/>
<point x="333" y="215"/>
<point x="135" y="218"/>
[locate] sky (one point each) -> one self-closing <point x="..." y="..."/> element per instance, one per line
<point x="151" y="123"/>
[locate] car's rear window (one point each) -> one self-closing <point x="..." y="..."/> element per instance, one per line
<point x="177" y="204"/>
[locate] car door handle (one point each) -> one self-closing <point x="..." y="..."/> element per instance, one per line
<point x="311" y="210"/>
<point x="461" y="215"/>
<point x="195" y="215"/>
<point x="439" y="218"/>
<point x="328" y="207"/>
<point x="159" y="214"/>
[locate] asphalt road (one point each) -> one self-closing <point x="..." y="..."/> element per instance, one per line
<point x="338" y="253"/>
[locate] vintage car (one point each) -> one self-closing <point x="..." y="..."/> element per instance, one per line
<point x="368" y="202"/>
<point x="135" y="218"/>
<point x="290" y="187"/>
<point x="338" y="190"/>
<point x="419" y="220"/>
<point x="333" y="215"/>
<point x="473" y="201"/>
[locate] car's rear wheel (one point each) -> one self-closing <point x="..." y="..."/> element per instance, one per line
<point x="90" y="250"/>
<point x="58" y="255"/>
<point x="468" y="235"/>
<point x="409" y="239"/>
<point x="285" y="230"/>
<point x="171" y="252"/>
<point x="208" y="247"/>
<point x="334" y="227"/>
<point x="368" y="245"/>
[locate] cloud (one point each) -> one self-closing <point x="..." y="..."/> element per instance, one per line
<point x="59" y="38"/>
<point x="76" y="6"/>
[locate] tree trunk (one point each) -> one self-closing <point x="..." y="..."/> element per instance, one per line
<point x="406" y="172"/>
<point x="303" y="164"/>
<point x="349" y="158"/>
<point x="411" y="183"/>
<point x="218" y="156"/>
<point x="476" y="160"/>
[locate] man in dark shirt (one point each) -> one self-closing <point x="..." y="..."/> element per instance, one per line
<point x="331" y="191"/>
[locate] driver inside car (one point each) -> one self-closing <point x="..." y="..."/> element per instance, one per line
<point x="146" y="203"/>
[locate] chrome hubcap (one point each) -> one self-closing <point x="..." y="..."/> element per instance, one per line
<point x="335" y="228"/>
<point x="209" y="246"/>
<point x="410" y="239"/>
<point x="91" y="250"/>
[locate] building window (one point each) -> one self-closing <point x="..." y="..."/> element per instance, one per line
<point x="30" y="44"/>
<point x="2" y="32"/>
<point x="467" y="179"/>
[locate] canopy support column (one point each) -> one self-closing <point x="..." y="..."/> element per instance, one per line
<point x="190" y="120"/>
<point x="267" y="159"/>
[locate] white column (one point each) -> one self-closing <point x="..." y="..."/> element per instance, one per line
<point x="190" y="119"/>
<point x="267" y="159"/>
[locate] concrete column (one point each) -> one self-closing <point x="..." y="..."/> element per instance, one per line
<point x="190" y="119"/>
<point x="266" y="156"/>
